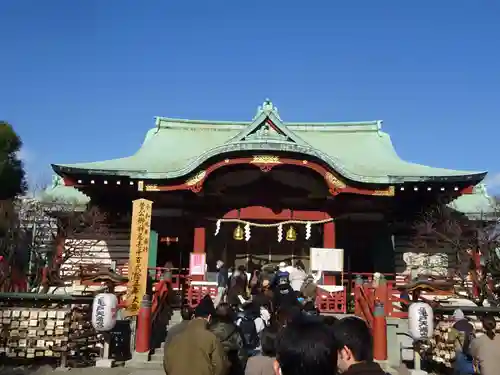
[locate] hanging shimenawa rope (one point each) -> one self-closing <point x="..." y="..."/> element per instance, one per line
<point x="270" y="225"/>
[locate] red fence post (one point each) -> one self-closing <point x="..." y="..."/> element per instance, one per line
<point x="143" y="333"/>
<point x="379" y="332"/>
<point x="382" y="294"/>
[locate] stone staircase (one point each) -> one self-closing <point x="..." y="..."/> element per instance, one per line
<point x="156" y="359"/>
<point x="399" y="344"/>
<point x="176" y="318"/>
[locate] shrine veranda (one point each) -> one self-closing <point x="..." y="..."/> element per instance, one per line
<point x="264" y="191"/>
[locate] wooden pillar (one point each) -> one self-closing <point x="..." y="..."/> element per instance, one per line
<point x="199" y="245"/>
<point x="379" y="332"/>
<point x="329" y="242"/>
<point x="143" y="335"/>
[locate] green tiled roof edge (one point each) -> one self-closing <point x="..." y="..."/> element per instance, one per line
<point x="58" y="193"/>
<point x="350" y="164"/>
<point x="478" y="206"/>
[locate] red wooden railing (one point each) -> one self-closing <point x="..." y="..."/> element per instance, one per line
<point x="327" y="302"/>
<point x="365" y="295"/>
<point x="331" y="302"/>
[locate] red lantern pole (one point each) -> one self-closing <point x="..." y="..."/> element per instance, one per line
<point x="143" y="333"/>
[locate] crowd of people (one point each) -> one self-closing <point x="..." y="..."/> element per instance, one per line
<point x="266" y="326"/>
<point x="475" y="354"/>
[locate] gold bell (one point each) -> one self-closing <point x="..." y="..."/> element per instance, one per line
<point x="291" y="234"/>
<point x="238" y="234"/>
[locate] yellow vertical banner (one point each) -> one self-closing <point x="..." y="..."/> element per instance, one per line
<point x="139" y="247"/>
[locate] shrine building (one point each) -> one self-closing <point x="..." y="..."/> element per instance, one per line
<point x="267" y="190"/>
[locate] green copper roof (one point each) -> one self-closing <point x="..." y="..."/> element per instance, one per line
<point x="359" y="151"/>
<point x="58" y="193"/>
<point x="478" y="205"/>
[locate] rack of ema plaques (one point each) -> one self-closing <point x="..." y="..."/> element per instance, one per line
<point x="37" y="326"/>
<point x="31" y="332"/>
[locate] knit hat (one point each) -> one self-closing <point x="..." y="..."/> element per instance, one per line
<point x="458" y="314"/>
<point x="205" y="308"/>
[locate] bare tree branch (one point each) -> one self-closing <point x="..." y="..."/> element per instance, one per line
<point x="50" y="241"/>
<point x="472" y="241"/>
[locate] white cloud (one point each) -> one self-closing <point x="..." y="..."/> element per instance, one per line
<point x="493" y="182"/>
<point x="31" y="166"/>
<point x="25" y="155"/>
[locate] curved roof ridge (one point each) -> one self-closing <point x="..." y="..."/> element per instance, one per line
<point x="171" y="120"/>
<point x="166" y="122"/>
<point x="335" y="123"/>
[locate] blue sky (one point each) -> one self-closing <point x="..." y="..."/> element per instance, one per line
<point x="82" y="80"/>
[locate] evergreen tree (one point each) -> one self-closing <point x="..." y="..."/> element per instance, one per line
<point x="12" y="174"/>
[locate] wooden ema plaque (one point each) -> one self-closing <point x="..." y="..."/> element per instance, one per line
<point x="139" y="248"/>
<point x="34" y="332"/>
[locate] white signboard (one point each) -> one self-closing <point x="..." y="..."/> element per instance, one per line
<point x="197" y="264"/>
<point x="329" y="260"/>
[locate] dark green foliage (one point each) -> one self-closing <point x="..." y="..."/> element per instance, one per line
<point x="12" y="175"/>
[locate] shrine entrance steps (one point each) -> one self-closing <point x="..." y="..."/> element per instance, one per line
<point x="399" y="344"/>
<point x="156" y="360"/>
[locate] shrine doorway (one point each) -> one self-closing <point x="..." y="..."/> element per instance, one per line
<point x="367" y="245"/>
<point x="263" y="246"/>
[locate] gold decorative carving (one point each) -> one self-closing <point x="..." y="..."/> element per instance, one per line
<point x="196" y="188"/>
<point x="389" y="192"/>
<point x="266" y="159"/>
<point x="334" y="181"/>
<point x="196" y="179"/>
<point x="151" y="187"/>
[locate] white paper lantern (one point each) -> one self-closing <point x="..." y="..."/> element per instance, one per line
<point x="104" y="312"/>
<point x="421" y="321"/>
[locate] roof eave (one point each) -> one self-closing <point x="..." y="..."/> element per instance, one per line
<point x="474" y="177"/>
<point x="62" y="170"/>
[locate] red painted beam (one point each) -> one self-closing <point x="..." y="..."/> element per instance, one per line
<point x="334" y="183"/>
<point x="467" y="190"/>
<point x="264" y="213"/>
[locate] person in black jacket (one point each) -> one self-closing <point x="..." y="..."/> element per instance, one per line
<point x="224" y="327"/>
<point x="305" y="347"/>
<point x="222" y="283"/>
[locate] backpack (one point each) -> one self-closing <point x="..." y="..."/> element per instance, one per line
<point x="464" y="364"/>
<point x="249" y="333"/>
